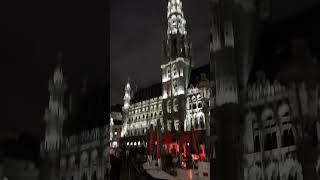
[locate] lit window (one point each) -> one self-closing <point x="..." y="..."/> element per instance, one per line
<point x="175" y="105"/>
<point x="168" y="106"/>
<point x="176" y="125"/>
<point x="174" y="70"/>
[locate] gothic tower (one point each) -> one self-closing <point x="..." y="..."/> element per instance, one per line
<point x="54" y="117"/>
<point x="176" y="68"/>
<point x="125" y="109"/>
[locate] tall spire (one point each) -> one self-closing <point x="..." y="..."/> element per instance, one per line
<point x="176" y="20"/>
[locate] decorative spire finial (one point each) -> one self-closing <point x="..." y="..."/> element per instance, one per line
<point x="176" y="20"/>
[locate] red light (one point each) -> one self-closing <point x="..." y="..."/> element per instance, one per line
<point x="205" y="174"/>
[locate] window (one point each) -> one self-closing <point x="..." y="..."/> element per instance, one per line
<point x="268" y="142"/>
<point x="174" y="70"/>
<point x="228" y="34"/>
<point x="287" y="138"/>
<point x="176" y="125"/>
<point x="169" y="124"/>
<point x="256" y="144"/>
<point x="194" y="106"/>
<point x="175" y="86"/>
<point x="175" y="105"/>
<point x="168" y="106"/>
<point x="201" y="121"/>
<point x="274" y="144"/>
<point x="168" y="72"/>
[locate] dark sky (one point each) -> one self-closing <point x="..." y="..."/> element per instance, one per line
<point x="32" y="32"/>
<point x="136" y="28"/>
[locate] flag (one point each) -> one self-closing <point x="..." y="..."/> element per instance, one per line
<point x="158" y="142"/>
<point x="148" y="141"/>
<point x="194" y="142"/>
<point x="151" y="142"/>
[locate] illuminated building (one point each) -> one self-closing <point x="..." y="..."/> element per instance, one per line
<point x="115" y="128"/>
<point x="179" y="103"/>
<point x="267" y="128"/>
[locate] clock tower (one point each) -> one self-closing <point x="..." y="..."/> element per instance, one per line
<point x="54" y="117"/>
<point x="176" y="68"/>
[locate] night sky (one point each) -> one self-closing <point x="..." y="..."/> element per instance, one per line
<point x="137" y="28"/>
<point x="32" y="33"/>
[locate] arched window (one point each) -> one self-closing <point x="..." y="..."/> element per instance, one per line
<point x="256" y="144"/>
<point x="267" y="142"/>
<point x="199" y="105"/>
<point x="174" y="70"/>
<point x="267" y="115"/>
<point x="199" y="97"/>
<point x="194" y="106"/>
<point x="175" y="105"/>
<point x="287" y="138"/>
<point x="168" y="106"/>
<point x="181" y="72"/>
<point x="169" y="124"/>
<point x="193" y="98"/>
<point x="202" y="121"/>
<point x="284" y="113"/>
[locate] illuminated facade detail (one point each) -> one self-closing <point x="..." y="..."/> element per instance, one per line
<point x="176" y="20"/>
<point x="271" y="114"/>
<point x="126" y="106"/>
<point x="166" y="103"/>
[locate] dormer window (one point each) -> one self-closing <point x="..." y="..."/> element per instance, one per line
<point x="174" y="70"/>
